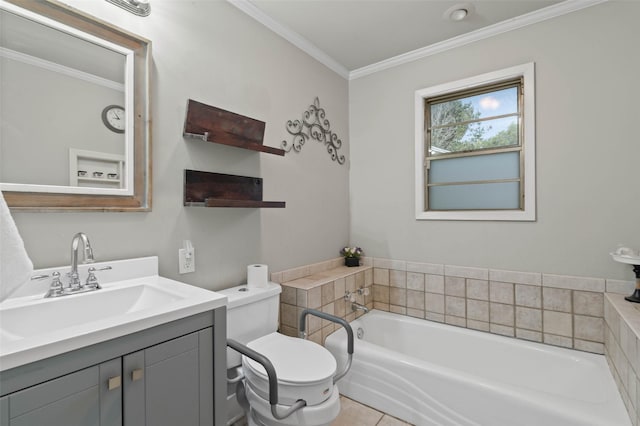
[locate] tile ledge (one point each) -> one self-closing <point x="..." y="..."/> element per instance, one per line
<point x="628" y="311"/>
<point x="324" y="277"/>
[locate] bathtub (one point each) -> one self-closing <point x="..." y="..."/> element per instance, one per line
<point x="428" y="373"/>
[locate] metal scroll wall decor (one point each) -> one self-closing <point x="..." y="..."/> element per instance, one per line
<point x="315" y="126"/>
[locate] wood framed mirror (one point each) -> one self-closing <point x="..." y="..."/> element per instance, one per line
<point x="44" y="169"/>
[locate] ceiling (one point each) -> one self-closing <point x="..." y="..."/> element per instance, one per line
<point x="355" y="36"/>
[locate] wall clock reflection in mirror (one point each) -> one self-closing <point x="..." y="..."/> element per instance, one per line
<point x="113" y="118"/>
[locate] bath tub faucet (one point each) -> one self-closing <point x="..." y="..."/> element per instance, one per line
<point x="355" y="306"/>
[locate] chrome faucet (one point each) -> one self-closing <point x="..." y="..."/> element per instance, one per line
<point x="74" y="282"/>
<point x="355" y="306"/>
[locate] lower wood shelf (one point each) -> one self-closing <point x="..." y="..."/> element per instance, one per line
<point x="206" y="189"/>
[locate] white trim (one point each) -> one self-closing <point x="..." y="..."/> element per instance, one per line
<point x="529" y="212"/>
<point x="60" y="69"/>
<point x="291" y="36"/>
<point x="312" y="50"/>
<point x="530" y="18"/>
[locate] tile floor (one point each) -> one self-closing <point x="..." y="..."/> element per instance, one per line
<point x="353" y="413"/>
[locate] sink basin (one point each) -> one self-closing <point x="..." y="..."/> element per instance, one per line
<point x="33" y="327"/>
<point x="49" y="315"/>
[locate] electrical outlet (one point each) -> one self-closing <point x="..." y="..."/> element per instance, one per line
<point x="186" y="260"/>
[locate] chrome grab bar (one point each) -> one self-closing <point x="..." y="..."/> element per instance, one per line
<point x="337" y="320"/>
<point x="273" y="379"/>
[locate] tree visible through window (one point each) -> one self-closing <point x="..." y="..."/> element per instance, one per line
<point x="473" y="147"/>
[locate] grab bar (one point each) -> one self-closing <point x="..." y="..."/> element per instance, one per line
<point x="273" y="379"/>
<point x="337" y="320"/>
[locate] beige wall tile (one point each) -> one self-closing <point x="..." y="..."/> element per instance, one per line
<point x="501" y="292"/>
<point x="433" y="316"/>
<point x="416" y="313"/>
<point x="478" y="310"/>
<point x="556" y="299"/>
<point x="276" y="277"/>
<point x="350" y="315"/>
<point x="457" y="321"/>
<point x="415" y="299"/>
<point x="454" y="286"/>
<point x="415" y="281"/>
<point x="313" y="323"/>
<point x="397" y="296"/>
<point x="302" y="297"/>
<point x="530" y="278"/>
<point x="502" y="314"/>
<point x="288" y="315"/>
<point x="558" y="323"/>
<point x="628" y="343"/>
<point x="314" y="297"/>
<point x="583" y="345"/>
<point x="380" y="306"/>
<point x="528" y="318"/>
<point x="434" y="303"/>
<point x="288" y="331"/>
<point x="350" y="283"/>
<point x="503" y="330"/>
<point x="573" y="283"/>
<point x="528" y="295"/>
<point x="368" y="277"/>
<point x="620" y="287"/>
<point x="588" y="303"/>
<point x="380" y="293"/>
<point x="328" y="309"/>
<point x="328" y="294"/>
<point x="477" y="325"/>
<point x="478" y="289"/>
<point x="534" y="336"/>
<point x="316" y="337"/>
<point x="400" y="265"/>
<point x="425" y="268"/>
<point x="402" y="310"/>
<point x="434" y="283"/>
<point x="398" y="278"/>
<point x="455" y="306"/>
<point x="340" y="307"/>
<point x="340" y="287"/>
<point x="288" y="295"/>
<point x="360" y="279"/>
<point x="466" y="272"/>
<point x="551" y="339"/>
<point x="380" y="276"/>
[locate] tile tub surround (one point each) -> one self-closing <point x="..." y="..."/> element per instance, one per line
<point x="622" y="349"/>
<point x="321" y="286"/>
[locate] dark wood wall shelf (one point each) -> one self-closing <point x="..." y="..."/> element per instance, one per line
<point x="206" y="189"/>
<point x="227" y="128"/>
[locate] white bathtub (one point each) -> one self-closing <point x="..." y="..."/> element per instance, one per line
<point x="434" y="374"/>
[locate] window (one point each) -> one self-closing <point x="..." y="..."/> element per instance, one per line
<point x="475" y="148"/>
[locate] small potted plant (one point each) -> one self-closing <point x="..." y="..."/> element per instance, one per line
<point x="351" y="255"/>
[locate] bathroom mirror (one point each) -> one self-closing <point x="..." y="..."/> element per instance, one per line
<point x="74" y="111"/>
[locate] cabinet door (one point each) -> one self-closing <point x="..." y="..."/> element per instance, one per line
<point x="171" y="383"/>
<point x="85" y="398"/>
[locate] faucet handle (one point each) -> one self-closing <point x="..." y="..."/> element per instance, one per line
<point x="56" y="288"/>
<point x="92" y="280"/>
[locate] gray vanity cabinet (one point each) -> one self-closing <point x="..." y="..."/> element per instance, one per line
<point x="171" y="383"/>
<point x="74" y="399"/>
<point x="163" y="376"/>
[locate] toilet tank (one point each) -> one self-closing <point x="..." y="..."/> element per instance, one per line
<point x="251" y="313"/>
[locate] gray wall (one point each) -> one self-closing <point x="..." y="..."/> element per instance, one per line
<point x="588" y="149"/>
<point x="212" y="52"/>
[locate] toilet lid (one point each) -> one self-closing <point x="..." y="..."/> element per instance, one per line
<point x="295" y="360"/>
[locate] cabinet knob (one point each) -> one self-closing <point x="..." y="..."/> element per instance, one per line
<point x="137" y="374"/>
<point x="114" y="382"/>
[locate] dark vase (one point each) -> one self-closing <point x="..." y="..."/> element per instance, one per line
<point x="352" y="261"/>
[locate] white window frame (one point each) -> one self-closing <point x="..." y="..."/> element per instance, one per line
<point x="528" y="212"/>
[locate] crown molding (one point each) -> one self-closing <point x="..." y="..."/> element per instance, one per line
<point x="291" y="36"/>
<point x="531" y="18"/>
<point x="60" y="69"/>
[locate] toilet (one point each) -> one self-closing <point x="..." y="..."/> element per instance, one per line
<point x="305" y="369"/>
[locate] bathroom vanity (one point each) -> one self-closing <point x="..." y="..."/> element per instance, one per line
<point x="159" y="361"/>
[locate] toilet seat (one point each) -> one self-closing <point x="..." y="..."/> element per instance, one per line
<point x="318" y="415"/>
<point x="305" y="369"/>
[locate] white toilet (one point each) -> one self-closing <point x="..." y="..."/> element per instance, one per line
<point x="305" y="370"/>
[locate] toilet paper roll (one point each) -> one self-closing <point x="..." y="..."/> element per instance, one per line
<point x="257" y="275"/>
